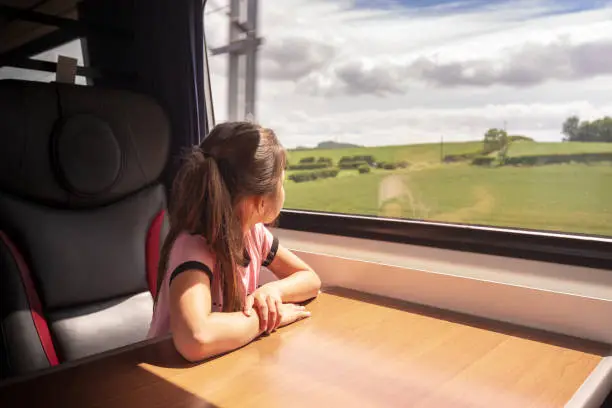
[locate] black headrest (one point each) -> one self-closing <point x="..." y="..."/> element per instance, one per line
<point x="76" y="146"/>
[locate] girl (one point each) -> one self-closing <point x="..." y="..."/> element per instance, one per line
<point x="224" y="193"/>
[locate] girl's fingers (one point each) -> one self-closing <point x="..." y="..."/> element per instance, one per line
<point x="263" y="314"/>
<point x="278" y="314"/>
<point x="248" y="305"/>
<point x="273" y="313"/>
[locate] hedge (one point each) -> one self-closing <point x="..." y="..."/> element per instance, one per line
<point x="483" y="161"/>
<point x="313" y="175"/>
<point x="392" y="165"/>
<point x="369" y="159"/>
<point x="347" y="165"/>
<point x="557" y="159"/>
<point x="364" y="169"/>
<point x="453" y="158"/>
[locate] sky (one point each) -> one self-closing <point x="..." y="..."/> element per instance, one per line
<point x="389" y="72"/>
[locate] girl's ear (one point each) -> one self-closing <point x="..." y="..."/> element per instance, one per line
<point x="255" y="206"/>
<point x="261" y="206"/>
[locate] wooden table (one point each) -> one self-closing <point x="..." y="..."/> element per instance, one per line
<point x="355" y="351"/>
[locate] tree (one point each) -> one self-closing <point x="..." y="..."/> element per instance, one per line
<point x="570" y="128"/>
<point x="495" y="139"/>
<point x="602" y="129"/>
<point x="599" y="130"/>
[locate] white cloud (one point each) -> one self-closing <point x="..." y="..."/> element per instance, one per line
<point x="398" y="76"/>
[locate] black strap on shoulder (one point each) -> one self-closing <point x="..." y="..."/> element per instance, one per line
<point x="272" y="253"/>
<point x="190" y="266"/>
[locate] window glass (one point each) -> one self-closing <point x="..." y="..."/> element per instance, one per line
<point x="471" y="112"/>
<point x="72" y="49"/>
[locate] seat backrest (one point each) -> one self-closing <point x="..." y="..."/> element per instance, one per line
<point x="82" y="219"/>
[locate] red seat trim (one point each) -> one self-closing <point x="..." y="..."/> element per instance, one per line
<point x="153" y="246"/>
<point x="40" y="323"/>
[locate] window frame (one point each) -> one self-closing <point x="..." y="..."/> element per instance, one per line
<point x="569" y="249"/>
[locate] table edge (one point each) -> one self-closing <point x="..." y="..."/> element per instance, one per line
<point x="595" y="388"/>
<point x="85" y="360"/>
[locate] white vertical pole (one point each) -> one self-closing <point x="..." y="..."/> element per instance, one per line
<point x="234" y="35"/>
<point x="251" y="60"/>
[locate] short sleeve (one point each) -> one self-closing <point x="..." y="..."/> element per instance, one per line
<point x="269" y="245"/>
<point x="190" y="252"/>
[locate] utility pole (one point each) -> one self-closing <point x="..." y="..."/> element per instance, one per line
<point x="243" y="41"/>
<point x="234" y="60"/>
<point x="251" y="60"/>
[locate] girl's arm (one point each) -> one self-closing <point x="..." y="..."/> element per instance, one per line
<point x="297" y="281"/>
<point x="197" y="333"/>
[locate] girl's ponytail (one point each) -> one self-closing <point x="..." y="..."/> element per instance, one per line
<point x="202" y="204"/>
<point x="224" y="232"/>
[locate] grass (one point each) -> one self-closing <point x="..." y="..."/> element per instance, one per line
<point x="536" y="149"/>
<point x="574" y="198"/>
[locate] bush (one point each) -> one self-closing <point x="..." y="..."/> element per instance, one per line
<point x="483" y="161"/>
<point x="557" y="159"/>
<point x="327" y="173"/>
<point x="307" y="160"/>
<point x="453" y="158"/>
<point x="403" y="164"/>
<point x="300" y="177"/>
<point x="313" y="175"/>
<point x="326" y="160"/>
<point x="368" y="159"/>
<point x="363" y="169"/>
<point x="347" y="165"/>
<point x="389" y="166"/>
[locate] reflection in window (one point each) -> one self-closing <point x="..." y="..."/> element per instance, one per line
<point x="441" y="111"/>
<point x="72" y="49"/>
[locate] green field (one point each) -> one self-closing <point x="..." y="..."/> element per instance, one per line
<point x="537" y="149"/>
<point x="575" y="198"/>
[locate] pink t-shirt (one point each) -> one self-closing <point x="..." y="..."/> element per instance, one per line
<point x="192" y="252"/>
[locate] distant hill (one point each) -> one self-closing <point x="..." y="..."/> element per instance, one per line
<point x="335" y="145"/>
<point x="329" y="145"/>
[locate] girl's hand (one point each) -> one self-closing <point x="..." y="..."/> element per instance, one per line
<point x="291" y="313"/>
<point x="268" y="302"/>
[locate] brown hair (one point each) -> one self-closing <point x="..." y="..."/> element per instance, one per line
<point x="236" y="160"/>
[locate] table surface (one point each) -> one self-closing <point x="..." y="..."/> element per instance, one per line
<point x="356" y="350"/>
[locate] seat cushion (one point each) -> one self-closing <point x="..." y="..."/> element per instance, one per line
<point x="94" y="328"/>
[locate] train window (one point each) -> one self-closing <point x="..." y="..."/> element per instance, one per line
<point x="456" y="113"/>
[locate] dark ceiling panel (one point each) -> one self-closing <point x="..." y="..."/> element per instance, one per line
<point x="16" y="33"/>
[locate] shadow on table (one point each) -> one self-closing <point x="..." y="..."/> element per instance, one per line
<point x="115" y="380"/>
